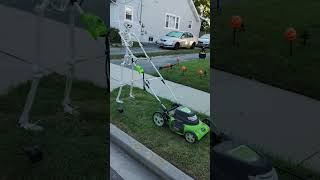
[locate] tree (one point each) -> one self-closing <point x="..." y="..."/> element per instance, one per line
<point x="203" y="8"/>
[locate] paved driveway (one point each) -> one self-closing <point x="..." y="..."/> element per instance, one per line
<point x="147" y="48"/>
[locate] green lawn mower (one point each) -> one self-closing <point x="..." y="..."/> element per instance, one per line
<point x="182" y="121"/>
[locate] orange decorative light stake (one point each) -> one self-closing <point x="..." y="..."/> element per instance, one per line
<point x="291" y="36"/>
<point x="236" y="22"/>
<point x="183" y="69"/>
<point x="178" y="60"/>
<point x="200" y="73"/>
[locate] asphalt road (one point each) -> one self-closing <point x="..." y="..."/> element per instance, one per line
<point x="161" y="61"/>
<point x="147" y="48"/>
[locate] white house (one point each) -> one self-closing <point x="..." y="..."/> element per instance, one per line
<point x="152" y="19"/>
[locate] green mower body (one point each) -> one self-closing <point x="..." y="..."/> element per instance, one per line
<point x="183" y="121"/>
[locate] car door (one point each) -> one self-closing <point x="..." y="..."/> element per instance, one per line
<point x="192" y="39"/>
<point x="184" y="40"/>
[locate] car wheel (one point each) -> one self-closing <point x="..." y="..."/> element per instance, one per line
<point x="158" y="119"/>
<point x="190" y="137"/>
<point x="176" y="46"/>
<point x="193" y="46"/>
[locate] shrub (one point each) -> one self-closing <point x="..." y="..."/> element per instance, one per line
<point x="114" y="36"/>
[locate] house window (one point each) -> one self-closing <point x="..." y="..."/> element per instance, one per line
<point x="129" y="13"/>
<point x="172" y="21"/>
<point x="190" y="24"/>
<point x="177" y="23"/>
<point x="151" y="39"/>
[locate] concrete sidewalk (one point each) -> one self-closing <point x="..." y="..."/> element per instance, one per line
<point x="281" y="122"/>
<point x="193" y="98"/>
<point x="127" y="167"/>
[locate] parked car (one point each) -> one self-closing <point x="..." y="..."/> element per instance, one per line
<point x="178" y="39"/>
<point x="204" y="41"/>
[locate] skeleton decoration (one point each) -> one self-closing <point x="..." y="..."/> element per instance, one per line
<point x="131" y="60"/>
<point x="61" y="6"/>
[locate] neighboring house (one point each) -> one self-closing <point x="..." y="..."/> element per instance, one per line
<point x="152" y="19"/>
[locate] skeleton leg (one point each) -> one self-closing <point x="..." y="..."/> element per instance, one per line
<point x="37" y="73"/>
<point x="66" y="103"/>
<point x="121" y="80"/>
<point x="24" y="118"/>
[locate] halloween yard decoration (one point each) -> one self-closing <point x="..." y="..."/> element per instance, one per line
<point x="167" y="66"/>
<point x="305" y="36"/>
<point x="202" y="53"/>
<point x="291" y="36"/>
<point x="95" y="27"/>
<point x="178" y="60"/>
<point x="236" y="23"/>
<point x="127" y="38"/>
<point x="200" y="73"/>
<point x="183" y="69"/>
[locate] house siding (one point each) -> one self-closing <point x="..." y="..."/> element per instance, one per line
<point x="153" y="17"/>
<point x="155" y="22"/>
<point x="117" y="15"/>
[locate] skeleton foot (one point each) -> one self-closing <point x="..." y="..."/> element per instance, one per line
<point x="119" y="101"/>
<point x="31" y="126"/>
<point x="67" y="108"/>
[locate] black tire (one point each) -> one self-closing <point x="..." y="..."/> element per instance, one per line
<point x="158" y="119"/>
<point x="177" y="46"/>
<point x="193" y="46"/>
<point x="190" y="137"/>
<point x="206" y="121"/>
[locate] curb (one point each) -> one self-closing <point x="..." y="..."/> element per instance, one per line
<point x="154" y="162"/>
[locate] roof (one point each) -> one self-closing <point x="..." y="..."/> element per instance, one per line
<point x="194" y="10"/>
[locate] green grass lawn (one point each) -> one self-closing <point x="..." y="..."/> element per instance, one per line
<point x="190" y="77"/>
<point x="74" y="147"/>
<point x="194" y="159"/>
<point x="160" y="53"/>
<point x="263" y="53"/>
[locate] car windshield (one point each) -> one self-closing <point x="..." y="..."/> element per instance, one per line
<point x="206" y="36"/>
<point x="175" y="34"/>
